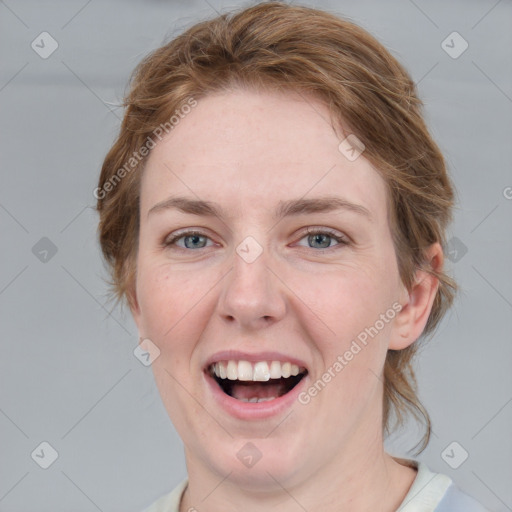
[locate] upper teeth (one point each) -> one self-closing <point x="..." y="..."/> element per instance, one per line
<point x="259" y="371"/>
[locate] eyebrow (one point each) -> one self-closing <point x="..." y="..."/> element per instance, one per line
<point x="284" y="209"/>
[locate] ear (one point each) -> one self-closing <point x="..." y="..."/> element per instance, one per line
<point x="417" y="302"/>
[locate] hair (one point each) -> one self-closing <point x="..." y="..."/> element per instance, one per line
<point x="298" y="49"/>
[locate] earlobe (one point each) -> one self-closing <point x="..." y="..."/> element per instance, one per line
<point x="418" y="301"/>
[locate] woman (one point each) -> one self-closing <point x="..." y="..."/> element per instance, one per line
<point x="273" y="212"/>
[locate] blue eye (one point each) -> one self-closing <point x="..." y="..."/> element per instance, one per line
<point x="324" y="237"/>
<point x="192" y="240"/>
<point x="195" y="240"/>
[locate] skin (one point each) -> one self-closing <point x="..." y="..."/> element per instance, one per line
<point x="247" y="151"/>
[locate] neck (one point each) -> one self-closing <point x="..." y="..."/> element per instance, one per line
<point x="375" y="482"/>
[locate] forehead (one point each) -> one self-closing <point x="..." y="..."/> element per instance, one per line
<point x="250" y="150"/>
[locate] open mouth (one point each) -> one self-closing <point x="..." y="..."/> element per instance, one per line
<point x="256" y="382"/>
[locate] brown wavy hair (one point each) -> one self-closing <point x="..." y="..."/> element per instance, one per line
<point x="273" y="46"/>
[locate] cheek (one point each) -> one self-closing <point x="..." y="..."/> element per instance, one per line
<point x="351" y="304"/>
<point x="358" y="308"/>
<point x="172" y="317"/>
<point x="165" y="298"/>
<point x="350" y="300"/>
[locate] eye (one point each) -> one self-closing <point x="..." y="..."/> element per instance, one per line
<point x="191" y="240"/>
<point x="321" y="238"/>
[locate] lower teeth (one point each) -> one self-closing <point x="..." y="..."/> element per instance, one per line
<point x="255" y="399"/>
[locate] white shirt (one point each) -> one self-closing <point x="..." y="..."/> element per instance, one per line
<point x="430" y="492"/>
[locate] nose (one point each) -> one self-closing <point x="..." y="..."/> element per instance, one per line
<point x="252" y="296"/>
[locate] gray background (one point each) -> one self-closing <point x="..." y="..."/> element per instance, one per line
<point x="68" y="375"/>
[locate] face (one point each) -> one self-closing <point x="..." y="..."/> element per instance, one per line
<point x="265" y="281"/>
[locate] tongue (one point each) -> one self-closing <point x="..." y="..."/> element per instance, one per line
<point x="270" y="389"/>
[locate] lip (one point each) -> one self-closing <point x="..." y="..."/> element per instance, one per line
<point x="236" y="355"/>
<point x="250" y="410"/>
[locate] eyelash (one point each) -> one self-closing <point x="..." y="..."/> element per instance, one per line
<point x="342" y="240"/>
